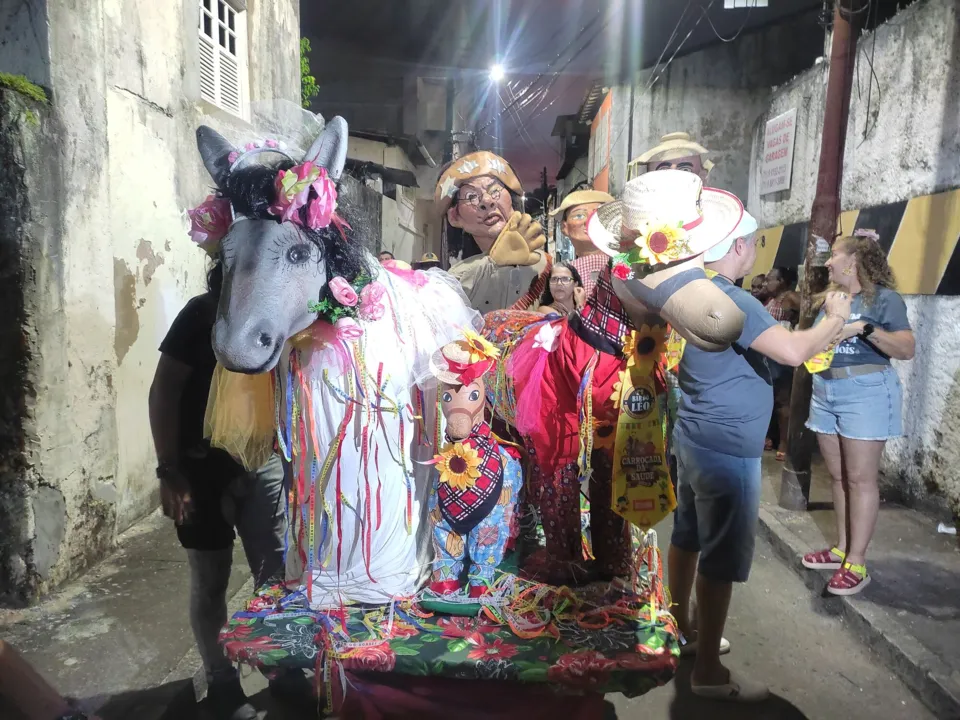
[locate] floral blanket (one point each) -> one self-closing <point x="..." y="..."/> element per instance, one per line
<point x="600" y="639"/>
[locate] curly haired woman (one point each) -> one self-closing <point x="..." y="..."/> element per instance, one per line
<point x="856" y="402"/>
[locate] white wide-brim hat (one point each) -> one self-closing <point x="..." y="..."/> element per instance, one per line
<point x="673" y="198"/>
<point x="748" y="226"/>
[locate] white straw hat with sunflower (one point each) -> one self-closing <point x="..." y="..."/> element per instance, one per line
<point x="664" y="217"/>
<point x="449" y="363"/>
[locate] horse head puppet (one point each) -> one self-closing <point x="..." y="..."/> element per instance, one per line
<point x="280" y="233"/>
<point x="658" y="264"/>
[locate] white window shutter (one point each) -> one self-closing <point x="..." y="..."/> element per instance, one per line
<point x="222" y="46"/>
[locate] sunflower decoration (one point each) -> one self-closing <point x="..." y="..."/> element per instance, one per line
<point x="615" y="396"/>
<point x="479" y="347"/>
<point x="644" y="347"/>
<point x="605" y="432"/>
<point x="459" y="465"/>
<point x="661" y="243"/>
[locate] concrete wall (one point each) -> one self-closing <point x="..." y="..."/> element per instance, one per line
<point x="716" y="95"/>
<point x="121" y="267"/>
<point x="23" y="40"/>
<point x="904" y="143"/>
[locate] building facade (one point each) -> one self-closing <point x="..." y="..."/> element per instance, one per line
<point x="95" y="258"/>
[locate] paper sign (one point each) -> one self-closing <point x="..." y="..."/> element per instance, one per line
<point x="776" y="164"/>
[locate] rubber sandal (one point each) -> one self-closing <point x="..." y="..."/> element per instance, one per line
<point x="768" y="445"/>
<point x="736" y="689"/>
<point x="824" y="559"/>
<point x="781" y="456"/>
<point x="848" y="580"/>
<point x="688" y="648"/>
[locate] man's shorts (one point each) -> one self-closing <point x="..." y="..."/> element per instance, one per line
<point x="718" y="500"/>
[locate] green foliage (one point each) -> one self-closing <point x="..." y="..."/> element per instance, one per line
<point x="32" y="119"/>
<point x="308" y="83"/>
<point x="19" y="84"/>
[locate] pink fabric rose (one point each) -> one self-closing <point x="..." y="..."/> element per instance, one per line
<point x="348" y="329"/>
<point x="210" y="221"/>
<point x="323" y="203"/>
<point x="371" y="302"/>
<point x="293" y="188"/>
<point x="342" y="292"/>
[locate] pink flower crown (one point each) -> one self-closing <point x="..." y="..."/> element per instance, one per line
<point x="305" y="185"/>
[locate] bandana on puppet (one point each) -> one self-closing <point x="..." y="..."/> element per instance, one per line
<point x="473" y="501"/>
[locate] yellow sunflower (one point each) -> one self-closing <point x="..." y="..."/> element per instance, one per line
<point x="663" y="243"/>
<point x="618" y="389"/>
<point x="479" y="347"/>
<point x="644" y="346"/>
<point x="605" y="433"/>
<point x="459" y="465"/>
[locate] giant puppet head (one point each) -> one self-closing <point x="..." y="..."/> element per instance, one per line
<point x="285" y="243"/>
<point x="677" y="151"/>
<point x="574" y="211"/>
<point x="476" y="193"/>
<point x="657" y="234"/>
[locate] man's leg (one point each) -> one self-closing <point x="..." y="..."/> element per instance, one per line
<point x="684" y="548"/>
<point x="727" y="492"/>
<point x="261" y="521"/>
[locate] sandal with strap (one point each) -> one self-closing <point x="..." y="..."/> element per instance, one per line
<point x="848" y="580"/>
<point x="781" y="456"/>
<point x="830" y="559"/>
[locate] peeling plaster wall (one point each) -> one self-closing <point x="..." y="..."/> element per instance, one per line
<point x="716" y="95"/>
<point x="123" y="121"/>
<point x="904" y="144"/>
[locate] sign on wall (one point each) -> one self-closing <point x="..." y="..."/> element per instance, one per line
<point x="776" y="167"/>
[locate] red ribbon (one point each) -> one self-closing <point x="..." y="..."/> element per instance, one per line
<point x="468" y="372"/>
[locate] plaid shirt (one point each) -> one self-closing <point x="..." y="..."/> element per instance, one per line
<point x="464" y="509"/>
<point x="603" y="322"/>
<point x="590" y="267"/>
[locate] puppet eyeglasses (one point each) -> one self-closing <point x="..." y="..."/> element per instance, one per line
<point x="473" y="198"/>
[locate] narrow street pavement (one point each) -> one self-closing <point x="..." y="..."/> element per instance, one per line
<point x="120" y="638"/>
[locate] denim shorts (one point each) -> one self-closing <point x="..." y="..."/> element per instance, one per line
<point x="865" y="407"/>
<point x="718" y="501"/>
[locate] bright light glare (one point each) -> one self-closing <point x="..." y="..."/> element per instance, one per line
<point x="497" y="73"/>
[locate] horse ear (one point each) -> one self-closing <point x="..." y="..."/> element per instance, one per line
<point x="215" y="152"/>
<point x="330" y="149"/>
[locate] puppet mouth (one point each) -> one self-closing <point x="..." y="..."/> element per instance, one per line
<point x="492" y="219"/>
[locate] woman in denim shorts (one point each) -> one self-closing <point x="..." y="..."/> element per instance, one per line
<point x="855" y="406"/>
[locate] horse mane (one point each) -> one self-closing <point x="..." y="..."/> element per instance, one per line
<point x="252" y="191"/>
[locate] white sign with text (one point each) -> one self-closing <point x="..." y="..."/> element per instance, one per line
<point x="776" y="167"/>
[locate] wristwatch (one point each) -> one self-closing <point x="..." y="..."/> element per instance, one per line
<point x="867" y="331"/>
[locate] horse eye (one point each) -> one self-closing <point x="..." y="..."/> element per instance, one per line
<point x="298" y="254"/>
<point x="447" y="397"/>
<point x="474" y="396"/>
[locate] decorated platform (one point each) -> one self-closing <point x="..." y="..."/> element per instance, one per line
<point x="534" y="638"/>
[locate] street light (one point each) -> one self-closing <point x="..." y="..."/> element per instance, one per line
<point x="497" y="73"/>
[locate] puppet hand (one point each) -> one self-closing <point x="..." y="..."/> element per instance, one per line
<point x="518" y="242"/>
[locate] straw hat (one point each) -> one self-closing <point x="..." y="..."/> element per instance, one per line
<point x="670" y="217"/>
<point x="468" y="167"/>
<point x="674" y="146"/>
<point x="452" y="364"/>
<point x="582" y="197"/>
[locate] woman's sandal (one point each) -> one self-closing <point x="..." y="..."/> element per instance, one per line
<point x="781" y="456"/>
<point x="830" y="559"/>
<point x="848" y="580"/>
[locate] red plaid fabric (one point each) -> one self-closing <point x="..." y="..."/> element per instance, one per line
<point x="590" y="267"/>
<point x="463" y="509"/>
<point x="603" y="320"/>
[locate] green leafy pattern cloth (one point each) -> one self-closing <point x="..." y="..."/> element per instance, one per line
<point x="623" y="651"/>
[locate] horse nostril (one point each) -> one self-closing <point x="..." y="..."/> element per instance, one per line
<point x="264" y="340"/>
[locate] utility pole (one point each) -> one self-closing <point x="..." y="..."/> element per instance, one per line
<point x="847" y="17"/>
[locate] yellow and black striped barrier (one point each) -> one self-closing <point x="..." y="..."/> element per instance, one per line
<point x="919" y="235"/>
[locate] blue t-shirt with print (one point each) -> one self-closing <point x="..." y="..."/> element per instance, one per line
<point x="726" y="398"/>
<point x="887" y="312"/>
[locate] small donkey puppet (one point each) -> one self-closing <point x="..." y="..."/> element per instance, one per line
<point x="473" y="500"/>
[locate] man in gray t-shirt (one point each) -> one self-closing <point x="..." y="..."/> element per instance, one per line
<point x="725" y="405"/>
